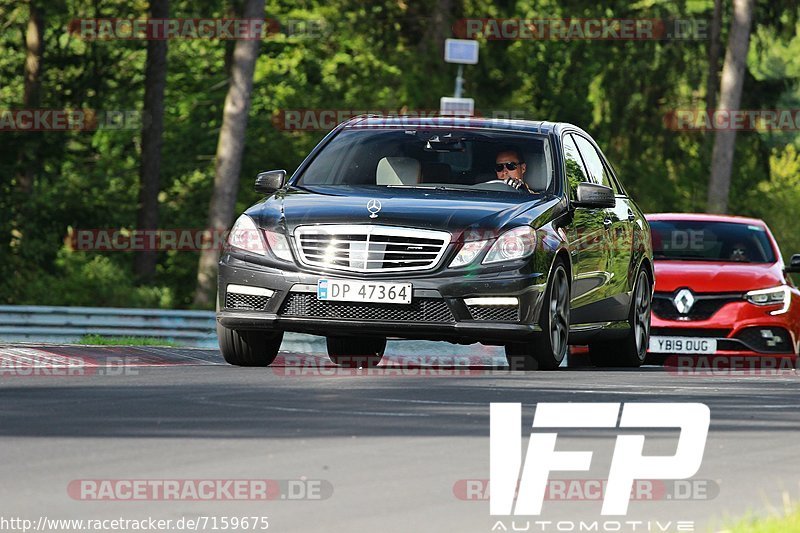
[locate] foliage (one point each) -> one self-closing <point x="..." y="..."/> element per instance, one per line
<point x="772" y="524"/>
<point x="364" y="56"/>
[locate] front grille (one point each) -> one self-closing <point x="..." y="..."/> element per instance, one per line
<point x="704" y="306"/>
<point x="494" y="313"/>
<point x="766" y="339"/>
<point x="366" y="248"/>
<point x="307" y="305"/>
<point x="250" y="302"/>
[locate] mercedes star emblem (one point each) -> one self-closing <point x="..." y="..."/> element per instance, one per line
<point x="373" y="206"/>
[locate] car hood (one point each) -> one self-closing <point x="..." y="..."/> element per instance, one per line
<point x="702" y="276"/>
<point x="448" y="210"/>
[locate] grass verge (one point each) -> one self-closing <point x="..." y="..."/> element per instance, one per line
<point x="125" y="341"/>
<point x="777" y="524"/>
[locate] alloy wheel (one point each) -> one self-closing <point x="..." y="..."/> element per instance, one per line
<point x="642" y="313"/>
<point x="559" y="314"/>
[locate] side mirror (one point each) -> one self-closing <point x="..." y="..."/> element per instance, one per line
<point x="271" y="181"/>
<point x="794" y="264"/>
<point x="594" y="195"/>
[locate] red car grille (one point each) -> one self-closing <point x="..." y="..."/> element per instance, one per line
<point x="705" y="306"/>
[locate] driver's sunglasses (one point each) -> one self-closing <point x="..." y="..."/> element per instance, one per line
<point x="509" y="165"/>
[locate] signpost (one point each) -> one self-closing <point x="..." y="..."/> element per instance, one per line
<point x="463" y="52"/>
<point x="456" y="106"/>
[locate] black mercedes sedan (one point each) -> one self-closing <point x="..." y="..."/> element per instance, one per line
<point x="504" y="232"/>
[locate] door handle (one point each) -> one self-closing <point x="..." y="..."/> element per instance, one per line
<point x="631" y="216"/>
<point x="607" y="223"/>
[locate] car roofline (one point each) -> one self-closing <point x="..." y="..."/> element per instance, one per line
<point x="466" y="122"/>
<point x="705" y="217"/>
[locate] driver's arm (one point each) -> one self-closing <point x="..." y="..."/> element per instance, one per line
<point x="518" y="184"/>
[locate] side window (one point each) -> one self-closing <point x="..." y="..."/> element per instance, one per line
<point x="573" y="166"/>
<point x="597" y="172"/>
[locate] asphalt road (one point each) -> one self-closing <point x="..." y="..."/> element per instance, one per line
<point x="389" y="450"/>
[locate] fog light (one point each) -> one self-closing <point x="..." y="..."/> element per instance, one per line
<point x="247" y="289"/>
<point x="494" y="300"/>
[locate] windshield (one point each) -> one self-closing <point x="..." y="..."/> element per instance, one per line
<point x="711" y="241"/>
<point x="434" y="158"/>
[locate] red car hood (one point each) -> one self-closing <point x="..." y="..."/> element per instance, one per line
<point x="701" y="276"/>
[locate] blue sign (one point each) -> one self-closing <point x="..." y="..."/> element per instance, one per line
<point x="464" y="51"/>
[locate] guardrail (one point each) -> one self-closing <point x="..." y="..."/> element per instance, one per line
<point x="68" y="324"/>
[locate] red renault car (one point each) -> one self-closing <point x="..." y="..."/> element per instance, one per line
<point x="721" y="289"/>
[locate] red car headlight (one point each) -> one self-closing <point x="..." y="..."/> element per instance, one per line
<point x="772" y="296"/>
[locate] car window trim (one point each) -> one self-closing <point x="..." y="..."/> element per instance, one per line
<point x="564" y="164"/>
<point x="621" y="192"/>
<point x="612" y="180"/>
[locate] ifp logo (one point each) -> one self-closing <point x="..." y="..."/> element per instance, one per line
<point x="627" y="464"/>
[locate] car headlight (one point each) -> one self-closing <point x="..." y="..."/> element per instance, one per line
<point x="246" y="236"/>
<point x="517" y="243"/>
<point x="468" y="253"/>
<point x="773" y="296"/>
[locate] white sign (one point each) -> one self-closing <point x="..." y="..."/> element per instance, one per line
<point x="458" y="107"/>
<point x="464" y="51"/>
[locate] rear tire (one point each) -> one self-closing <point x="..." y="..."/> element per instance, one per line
<point x="356" y="352"/>
<point x="248" y="348"/>
<point x="548" y="349"/>
<point x="630" y="351"/>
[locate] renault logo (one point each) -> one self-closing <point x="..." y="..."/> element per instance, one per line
<point x="684" y="301"/>
<point x="373" y="206"/>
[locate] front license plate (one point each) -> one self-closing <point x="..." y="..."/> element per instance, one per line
<point x="345" y="290"/>
<point x="685" y="345"/>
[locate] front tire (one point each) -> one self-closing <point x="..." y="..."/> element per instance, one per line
<point x="356" y="352"/>
<point x="548" y="350"/>
<point x="248" y="348"/>
<point x="630" y="351"/>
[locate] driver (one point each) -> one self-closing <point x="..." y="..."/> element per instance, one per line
<point x="510" y="169"/>
<point x="739" y="252"/>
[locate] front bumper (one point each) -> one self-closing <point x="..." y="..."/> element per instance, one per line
<point x="740" y="328"/>
<point x="438" y="310"/>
